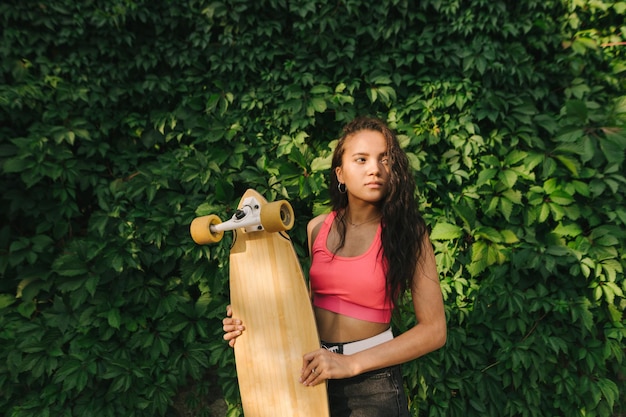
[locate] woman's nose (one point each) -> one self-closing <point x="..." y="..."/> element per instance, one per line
<point x="374" y="167"/>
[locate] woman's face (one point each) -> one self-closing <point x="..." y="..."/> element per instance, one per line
<point x="365" y="166"/>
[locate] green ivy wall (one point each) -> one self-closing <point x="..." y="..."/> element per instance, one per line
<point x="122" y="120"/>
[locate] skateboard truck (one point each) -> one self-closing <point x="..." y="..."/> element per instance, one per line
<point x="248" y="217"/>
<point x="252" y="216"/>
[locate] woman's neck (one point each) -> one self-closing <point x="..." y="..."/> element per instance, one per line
<point x="361" y="216"/>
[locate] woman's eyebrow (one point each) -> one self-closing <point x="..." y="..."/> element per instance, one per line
<point x="385" y="153"/>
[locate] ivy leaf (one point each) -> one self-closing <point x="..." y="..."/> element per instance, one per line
<point x="485" y="175"/>
<point x="69" y="265"/>
<point x="15" y="165"/>
<point x="114" y="318"/>
<point x="508" y="178"/>
<point x="506" y="207"/>
<point x="571" y="230"/>
<point x="514" y="196"/>
<point x="27" y="308"/>
<point x="321" y="164"/>
<point x="571" y="164"/>
<point x="445" y="231"/>
<point x="509" y="236"/>
<point x="488" y="233"/>
<point x="6" y="300"/>
<point x="561" y="197"/>
<point x="319" y="104"/>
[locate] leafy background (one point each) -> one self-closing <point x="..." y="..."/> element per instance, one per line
<point x="123" y="120"/>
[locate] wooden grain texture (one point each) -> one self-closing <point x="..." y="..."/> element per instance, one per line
<point x="268" y="292"/>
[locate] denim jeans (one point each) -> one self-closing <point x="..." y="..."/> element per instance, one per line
<point x="377" y="393"/>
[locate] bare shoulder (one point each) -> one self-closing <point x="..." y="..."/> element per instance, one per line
<point x="313" y="227"/>
<point x="315" y="223"/>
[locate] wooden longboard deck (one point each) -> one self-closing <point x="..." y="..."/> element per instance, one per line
<point x="269" y="294"/>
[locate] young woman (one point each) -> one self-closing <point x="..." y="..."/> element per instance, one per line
<point x="366" y="253"/>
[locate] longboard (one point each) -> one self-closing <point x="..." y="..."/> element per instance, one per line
<point x="269" y="294"/>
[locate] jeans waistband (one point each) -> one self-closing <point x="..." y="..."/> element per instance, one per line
<point x="360" y="345"/>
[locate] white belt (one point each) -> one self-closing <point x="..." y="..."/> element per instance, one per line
<point x="358" y="346"/>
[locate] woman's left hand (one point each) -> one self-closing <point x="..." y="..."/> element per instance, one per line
<point x="320" y="365"/>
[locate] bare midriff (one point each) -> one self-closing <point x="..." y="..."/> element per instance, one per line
<point x="337" y="328"/>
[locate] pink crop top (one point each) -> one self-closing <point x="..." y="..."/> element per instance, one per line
<point x="351" y="286"/>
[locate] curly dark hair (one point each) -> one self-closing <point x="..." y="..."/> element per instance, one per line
<point x="403" y="227"/>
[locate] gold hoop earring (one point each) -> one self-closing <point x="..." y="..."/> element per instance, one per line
<point x="345" y="189"/>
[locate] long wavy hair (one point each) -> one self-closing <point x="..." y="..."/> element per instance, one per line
<point x="403" y="227"/>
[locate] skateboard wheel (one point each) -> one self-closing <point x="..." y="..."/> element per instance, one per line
<point x="277" y="216"/>
<point x="201" y="230"/>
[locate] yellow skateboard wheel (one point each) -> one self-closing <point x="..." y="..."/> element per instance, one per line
<point x="200" y="229"/>
<point x="277" y="216"/>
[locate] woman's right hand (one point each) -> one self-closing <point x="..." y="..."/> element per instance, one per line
<point x="232" y="327"/>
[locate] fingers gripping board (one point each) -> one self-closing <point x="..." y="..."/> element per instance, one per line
<point x="269" y="294"/>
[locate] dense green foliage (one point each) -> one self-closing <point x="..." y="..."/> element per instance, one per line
<point x="122" y="120"/>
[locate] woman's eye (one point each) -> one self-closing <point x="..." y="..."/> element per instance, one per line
<point x="385" y="161"/>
